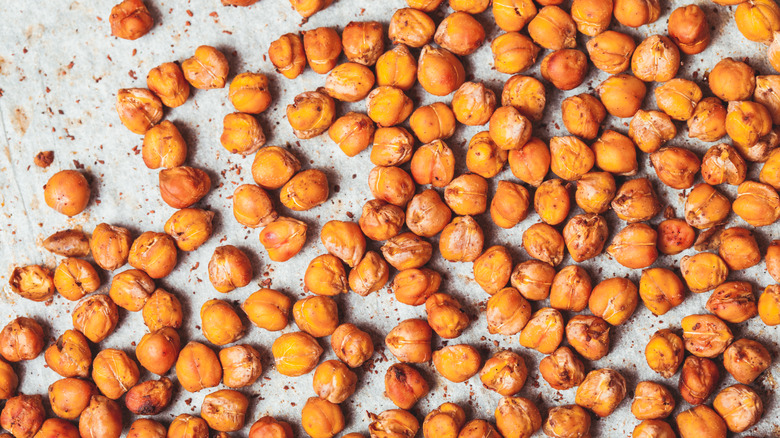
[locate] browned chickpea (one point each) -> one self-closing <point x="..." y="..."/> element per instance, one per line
<point x="652" y="401"/>
<point x="492" y="269"/>
<point x="601" y="391"/>
<point x="509" y="129"/>
<point x="114" y="373"/>
<point x="396" y="423"/>
<point x="388" y="106"/>
<point x="168" y="83"/>
<point x="206" y="69"/>
<point x="526" y="94"/>
<point x="439" y="71"/>
<point x="733" y="302"/>
<point x="241" y="365"/>
<point x="317" y="315"/>
<point x="182" y="186"/>
<point x="311" y="114"/>
<point x="510" y="204"/>
<point x="73" y="278"/>
<point x="732" y="80"/>
<point x="565" y="68"/>
<point x="467" y="194"/>
<point x="457" y="363"/>
<point x="770" y="170"/>
<point x="70" y="356"/>
<point x="513" y="15"/>
<point x="431" y="122"/>
<point x="267" y="309"/>
<point x="708" y="122"/>
<point x="614" y="300"/>
<point x="689" y="29"/>
<point x="433" y="163"/>
<point x="478" y="429"/>
<point x="229" y="268"/>
<point x="473" y="103"/>
<point x="287" y="55"/>
<point x="411" y="27"/>
<point x="505" y="373"/>
<point x="705" y="335"/>
<point x="675" y="166"/>
<point x="381" y="220"/>
<point x="740" y="406"/>
<point x="544" y="331"/>
<point x="162" y="309"/>
<point x="675" y="236"/>
<point x="397" y="68"/>
<point x="198" y="367"/>
<point x="96" y="317"/>
<point x="225" y="410"/>
<point x="57" y="427"/>
<point x="772" y="260"/>
<point x="153" y="253"/>
<point x="139" y="109"/>
<point x="571" y="157"/>
<point x="678" y="98"/>
<point x="102" y="418"/>
<point x="352" y="345"/>
<point x="636" y="13"/>
<point x="220" y="322"/>
<point x="446" y="421"/>
<point x="191" y="227"/>
<point x="296" y="353"/>
<point x="188" y="426"/>
<point x="67" y="192"/>
<point x="651" y="129"/>
<point x="570" y="289"/>
<point x="68" y="243"/>
<point x="595" y="192"/>
<point x="517" y="417"/>
<point x="758" y="20"/>
<point x="545" y="243"/>
<point x="407" y="251"/>
<point x="705" y="207"/>
<point x="164" y="146"/>
<point x="636" y="201"/>
<point x="345" y="240"/>
<point x="325" y="276"/>
<point x="533" y="279"/>
<point x="611" y="51"/>
<point x="307" y="8"/>
<point x="635" y="246"/>
<point x="615" y="153"/>
<point x="553" y="28"/>
<point x="738" y="248"/>
<point x="698" y="379"/>
<point x="621" y="94"/>
<point x="470" y="6"/>
<point x="130" y="20"/>
<point x="703" y="271"/>
<point x="363" y="41"/>
<point x="567" y="421"/>
<point x="664" y="352"/>
<point x="746" y="359"/>
<point x="150" y="397"/>
<point x="241" y="134"/>
<point x="460" y="33"/>
<point x="656" y="58"/>
<point x="131" y="289"/>
<point x="766" y="94"/>
<point x="661" y="290"/>
<point x="446" y="316"/>
<point x="413" y="286"/>
<point x="582" y="115"/>
<point x="461" y="240"/>
<point x="146" y="428"/>
<point x="391" y="146"/>
<point x="757" y="204"/>
<point x="157" y="351"/>
<point x="589" y="335"/>
<point x="404" y="385"/>
<point x="410" y="341"/>
<point x="531" y="162"/>
<point x="562" y="369"/>
<point x="349" y="82"/>
<point x="305" y="190"/>
<point x="249" y="93"/>
<point x="334" y="381"/>
<point x="322" y="47"/>
<point x="507" y="312"/>
<point x="484" y="157"/>
<point x="592" y="16"/>
<point x="283" y="238"/>
<point x="427" y="214"/>
<point x="723" y="164"/>
<point x="70" y="396"/>
<point x="252" y="207"/>
<point x="23" y="415"/>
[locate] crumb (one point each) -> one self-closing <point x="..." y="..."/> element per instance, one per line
<point x="44" y="159"/>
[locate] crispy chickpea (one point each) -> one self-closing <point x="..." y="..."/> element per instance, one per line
<point x="592" y="16"/>
<point x="636" y="201"/>
<point x="757" y="204"/>
<point x="68" y="243"/>
<point x="9" y="381"/>
<point x="432" y="122"/>
<point x="445" y="315"/>
<point x="73" y="279"/>
<point x="544" y="331"/>
<point x="595" y="192"/>
<point x="746" y="359"/>
<point x="621" y="94"/>
<point x="182" y="186"/>
<point x="517" y="417"/>
<point x="70" y="356"/>
<point x="427" y="214"/>
<point x="349" y="82"/>
<point x="513" y="15"/>
<point x="759" y="152"/>
<point x="526" y="94"/>
<point x="675" y="236"/>
<point x="102" y="418"/>
<point x="740" y="406"/>
<point x="701" y="421"/>
<point x="57" y="427"/>
<point x="661" y="290"/>
<point x="484" y="157"/>
<point x="23" y="415"/>
<point x="570" y="289"/>
<point x="492" y="269"/>
<point x="461" y="240"/>
<point x="345" y="240"/>
<point x="96" y="317"/>
<point x="287" y="55"/>
<point x="146" y="428"/>
<point x="478" y="429"/>
<point x="652" y="401"/>
<point x="770" y="171"/>
<point x="533" y="279"/>
<point x="269" y="427"/>
<point x="510" y="204"/>
<point x="322" y="47"/>
<point x="705" y="207"/>
<point x="769" y="305"/>
<point x="545" y="243"/>
<point x="708" y="121"/>
<point x="565" y="68"/>
<point x="391" y="146"/>
<point x="67" y="192"/>
<point x="664" y="353"/>
<point x="473" y="103"/>
<point x="553" y="28"/>
<point x="206" y="69"/>
<point x="411" y="27"/>
<point x="446" y="421"/>
<point x="601" y="391"/>
<point x="225" y="410"/>
<point x="635" y="246"/>
<point x="433" y="163"/>
<point x="723" y="164"/>
<point x="321" y="418"/>
<point x="467" y="194"/>
<point x="305" y="190"/>
<point x="241" y="365"/>
<point x="153" y="253"/>
<point x="651" y="129"/>
<point x="191" y="227"/>
<point x="388" y="106"/>
<point x="505" y="373"/>
<point x="162" y="309"/>
<point x="139" y="109"/>
<point x="675" y="166"/>
<point x="689" y="28"/>
<point x="571" y="158"/>
<point x="131" y="289"/>
<point x="114" y="372"/>
<point x="410" y="341"/>
<point x="241" y="134"/>
<point x="507" y="312"/>
<point x="70" y="396"/>
<point x="407" y="251"/>
<point x="457" y="363"/>
<point x="334" y="381"/>
<point x="130" y="20"/>
<point x="678" y="98"/>
<point x="567" y="421"/>
<point x="747" y="122"/>
<point x="738" y="248"/>
<point x="614" y="300"/>
<point x="163" y="146"/>
<point x="772" y="260"/>
<point x="636" y="13"/>
<point x="229" y="268"/>
<point x="249" y="93"/>
<point x="439" y="71"/>
<point x="252" y="207"/>
<point x="531" y="162"/>
<point x="733" y="302"/>
<point x="369" y="275"/>
<point x="657" y="59"/>
<point x="732" y="80"/>
<point x="582" y="115"/>
<point x="363" y="41"/>
<point x="307" y="8"/>
<point x="758" y="20"/>
<point x="460" y="33"/>
<point x="220" y="323"/>
<point x="705" y="335"/>
<point x="351" y="345"/>
<point x="273" y="166"/>
<point x="562" y="369"/>
<point x="397" y="68"/>
<point x="268" y="309"/>
<point x="311" y="114"/>
<point x="589" y="335"/>
<point x="615" y="153"/>
<point x="404" y="385"/>
<point x="316" y="315"/>
<point x="157" y="351"/>
<point x="413" y="286"/>
<point x="198" y="367"/>
<point x="296" y="353"/>
<point x="509" y="129"/>
<point x="188" y="426"/>
<point x="150" y="397"/>
<point x="610" y="51"/>
<point x="395" y="423"/>
<point x="703" y="271"/>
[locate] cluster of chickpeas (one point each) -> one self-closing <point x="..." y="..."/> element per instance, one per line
<point x="405" y="221"/>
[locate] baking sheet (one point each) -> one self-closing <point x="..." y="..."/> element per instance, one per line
<point x="59" y="72"/>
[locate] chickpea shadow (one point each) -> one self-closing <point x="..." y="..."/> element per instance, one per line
<point x="189" y="136"/>
<point x="254" y="259"/>
<point x="234" y="59"/>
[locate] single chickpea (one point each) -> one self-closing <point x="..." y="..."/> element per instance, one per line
<point x="183" y="186"/>
<point x="446" y="421"/>
<point x="746" y="359"/>
<point x="131" y="289"/>
<point x="249" y="93"/>
<point x="273" y="167"/>
<point x="220" y="323"/>
<point x="150" y="397"/>
<point x="393" y="422"/>
<point x="345" y="240"/>
<point x="705" y="335"/>
<point x="478" y="429"/>
<point x="252" y="207"/>
<point x="388" y="106"/>
<point x="611" y="51"/>
<point x="334" y="381"/>
<point x="614" y="300"/>
<point x="305" y="190"/>
<point x="268" y="309"/>
<point x="397" y="68"/>
<point x="526" y="94"/>
<point x="678" y="98"/>
<point x="510" y="204"/>
<point x="592" y="16"/>
<point x="325" y="275"/>
<point x="595" y="192"/>
<point x="153" y="253"/>
<point x="553" y="28"/>
<point x="316" y="315"/>
<point x="381" y="220"/>
<point x="675" y="166"/>
<point x="758" y="20"/>
<point x="513" y="52"/>
<point x="404" y="385"/>
<point x="198" y="367"/>
<point x="507" y="312"/>
<point x="505" y="373"/>
<point x="770" y="171"/>
<point x="130" y="20"/>
<point x="723" y="164"/>
<point x="689" y="28"/>
<point x="533" y="279"/>
<point x="513" y="15"/>
<point x="738" y="248"/>
<point x="470" y="6"/>
<point x="517" y="417"/>
<point x="664" y="353"/>
<point x="433" y="163"/>
<point x="96" y="317"/>
<point x="296" y="353"/>
<point x="565" y="68"/>
<point x="757" y="204"/>
<point x="582" y="115"/>
<point x="269" y="427"/>
<point x="652" y="401"/>
<point x="21" y="339"/>
<point x="661" y="290"/>
<point x="698" y="378"/>
<point x="467" y="194"/>
<point x="164" y="146"/>
<point x="139" y="109"/>
<point x="622" y="95"/>
<point x="363" y="41"/>
<point x="391" y="146"/>
<point x="206" y="69"/>
<point x="411" y="27"/>
<point x="656" y="58"/>
<point x="703" y="271"/>
<point x="433" y="122"/>
<point x="241" y="134"/>
<point x="439" y="71"/>
<point x="225" y="410"/>
<point x="636" y="201"/>
<point x="601" y="391"/>
<point x="70" y="355"/>
<point x="509" y="129"/>
<point x="585" y="235"/>
<point x="68" y="243"/>
<point x="484" y="157"/>
<point x="23" y="415"/>
<point x="157" y="351"/>
<point x="675" y="236"/>
<point x="589" y="336"/>
<point x="103" y="417"/>
<point x="287" y="55"/>
<point x="191" y="227"/>
<point x="769" y="304"/>
<point x="637" y="13"/>
<point x="460" y="33"/>
<point x="493" y="269"/>
<point x="73" y="279"/>
<point x="114" y="373"/>
<point x="311" y="114"/>
<point x="570" y="289"/>
<point x="651" y="129"/>
<point x="732" y="80"/>
<point x="544" y="331"/>
<point x="351" y="345"/>
<point x="740" y="406"/>
<point x="545" y="243"/>
<point x="322" y="47"/>
<point x="241" y="365"/>
<point x="705" y="207"/>
<point x="9" y="382"/>
<point x="733" y="302"/>
<point x="562" y="369"/>
<point x="708" y="122"/>
<point x="615" y="153"/>
<point x="427" y="214"/>
<point x="457" y="363"/>
<point x="349" y="82"/>
<point x="407" y="251"/>
<point x="473" y="103"/>
<point x="67" y="192"/>
<point x="57" y="427"/>
<point x="188" y="426"/>
<point x="146" y="428"/>
<point x="567" y="421"/>
<point x="446" y="316"/>
<point x="307" y="8"/>
<point x="410" y="341"/>
<point x="162" y="309"/>
<point x="461" y="240"/>
<point x="413" y="286"/>
<point x="766" y="94"/>
<point x="635" y="246"/>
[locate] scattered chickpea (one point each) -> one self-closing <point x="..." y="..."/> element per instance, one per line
<point x="701" y="420"/>
<point x="772" y="260"/>
<point x="705" y="335"/>
<point x="252" y="207"/>
<point x="220" y="323"/>
<point x="571" y="157"/>
<point x="509" y="129"/>
<point x="746" y="359"/>
<point x="689" y="28"/>
<point x="582" y="115"/>
<point x="349" y="82"/>
<point x="567" y="421"/>
<point x="35" y="282"/>
<point x="391" y="146"/>
<point x="23" y="415"/>
<point x="531" y="162"/>
<point x="164" y="146"/>
<point x="544" y="331"/>
<point x="411" y="27"/>
<point x="446" y="421"/>
<point x="269" y="427"/>
<point x="543" y="242"/>
<point x="70" y="355"/>
<point x="96" y="317"/>
<point x="198" y="367"/>
<point x="287" y="55"/>
<point x="397" y="68"/>
<point x="526" y="94"/>
<point x="351" y="345"/>
<point x="321" y="418"/>
<point x="661" y="290"/>
<point x="183" y="186"/>
<point x="595" y="192"/>
<point x="241" y="134"/>
<point x="407" y="251"/>
<point x="517" y="417"/>
<point x="103" y="417"/>
<point x="757" y="204"/>
<point x="533" y="279"/>
<point x="225" y="410"/>
<point x="473" y="103"/>
<point x="157" y="351"/>
<point x="622" y="94"/>
<point x="507" y="312"/>
<point x="273" y="167"/>
<point x="601" y="391"/>
<point x="592" y="18"/>
<point x="439" y="71"/>
<point x="615" y="153"/>
<point x="460" y="33"/>
<point x="352" y="132"/>
<point x="150" y="397"/>
<point x="322" y="47"/>
<point x="565" y="68"/>
<point x="404" y="385"/>
<point x="393" y="423"/>
<point x="68" y="243"/>
<point x="493" y="269"/>
<point x="656" y="58"/>
<point x="470" y="6"/>
<point x="675" y="166"/>
<point x="467" y="194"/>
<point x="769" y="305"/>
<point x="636" y="201"/>
<point x="296" y="353"/>
<point x="614" y="300"/>
<point x="611" y="51"/>
<point x="130" y="20"/>
<point x="513" y="15"/>
<point x="651" y="129"/>
<point x="334" y="381"/>
<point x="433" y="122"/>
<point x="562" y="369"/>
<point x="570" y="289"/>
<point x="740" y="406"/>
<point x="664" y="353"/>
<point x="636" y="13"/>
<point x="708" y="122"/>
<point x="114" y="372"/>
<point x="206" y="69"/>
<point x="363" y="41"/>
<point x="758" y="20"/>
<point x="388" y="106"/>
<point x="413" y="286"/>
<point x="268" y="309"/>
<point x="553" y="28"/>
<point x="146" y="428"/>
<point x="162" y="309"/>
<point x="635" y="246"/>
<point x="70" y="396"/>
<point x="369" y="275"/>
<point x="510" y="204"/>
<point x="484" y="157"/>
<point x="652" y="401"/>
<point x="241" y="365"/>
<point x="311" y="114"/>
<point x="410" y="341"/>
<point x="316" y="315"/>
<point x="57" y="427"/>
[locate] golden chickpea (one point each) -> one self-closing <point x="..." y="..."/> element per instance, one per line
<point x="273" y="167"/>
<point x="678" y="98"/>
<point x="545" y="243"/>
<point x="698" y="379"/>
<point x="757" y="204"/>
<point x="705" y="207"/>
<point x="269" y="427"/>
<point x="664" y="352"/>
<point x="433" y="163"/>
<point x="146" y="428"/>
<point x="484" y="157"/>
<point x="67" y="192"/>
<point x="407" y="251"/>
<point x="432" y="122"/>
<point x="773" y="260"/>
<point x="570" y="289"/>
<point x="723" y="164"/>
<point x="70" y="396"/>
<point x="413" y="286"/>
<point x="345" y="240"/>
<point x="505" y="373"/>
<point x="565" y="68"/>
<point x="96" y="317"/>
<point x="404" y="385"/>
<point x="153" y="253"/>
<point x="509" y="129"/>
<point x="150" y="397"/>
<point x="163" y="146"/>
<point x="296" y="353"/>
<point x="492" y="269"/>
<point x="562" y="369"/>
<point x="321" y="418"/>
<point x="397" y="68"/>
<point x="614" y="300"/>
<point x="661" y="290"/>
<point x="526" y="94"/>
<point x="322" y="47"/>
<point x="162" y="309"/>
<point x="334" y="381"/>
<point x="307" y="8"/>
<point x="636" y="13"/>
<point x="249" y="93"/>
<point x="657" y="59"/>
<point x="198" y="367"/>
<point x="102" y="418"/>
<point x="533" y="279"/>
<point x="139" y="109"/>
<point x="705" y="335"/>
<point x="766" y="94"/>
<point x="510" y="204"/>
<point x="57" y="427"/>
<point x="317" y="315"/>
<point x="747" y="122"/>
<point x="567" y="421"/>
<point x="675" y="166"/>
<point x="180" y="187"/>
<point x="689" y="28"/>
<point x="192" y="227"/>
<point x="229" y="268"/>
<point x="363" y="41"/>
<point x="130" y="20"/>
<point x="381" y="220"/>
<point x="9" y="381"/>
<point x="732" y="80"/>
<point x="652" y="401"/>
<point x="391" y="146"/>
<point x="592" y="16"/>
<point x="703" y="271"/>
<point x="388" y="106"/>
<point x="701" y="420"/>
<point x="395" y="423"/>
<point x="220" y="322"/>
<point x="305" y="190"/>
<point x="460" y="33"/>
<point x="531" y="162"/>
<point x="582" y="115"/>
<point x="351" y="345"/>
<point x="252" y="207"/>
<point x="746" y="359"/>
<point x="622" y="95"/>
<point x="457" y="363"/>
<point x="651" y="129"/>
<point x="225" y="410"/>
<point x="188" y="426"/>
<point x="738" y="248"/>
<point x="114" y="373"/>
<point x="349" y="82"/>
<point x="513" y="15"/>
<point x="708" y="121"/>
<point x="758" y="20"/>
<point x="601" y="391"/>
<point x="411" y="27"/>
<point x="507" y="312"/>
<point x="70" y="356"/>
<point x="473" y="103"/>
<point x="467" y="194"/>
<point x="615" y="153"/>
<point x="157" y="351"/>
<point x="241" y="134"/>
<point x="446" y="421"/>
<point x="23" y="415"/>
<point x="571" y="158"/>
<point x="268" y="309"/>
<point x="131" y="289"/>
<point x="611" y="51"/>
<point x="769" y="304"/>
<point x="770" y="171"/>
<point x="517" y="417"/>
<point x="636" y="201"/>
<point x="589" y="336"/>
<point x="73" y="279"/>
<point x="675" y="236"/>
<point x="311" y="114"/>
<point x="553" y="28"/>
<point x="410" y="341"/>
<point x="21" y="339"/>
<point x="287" y="55"/>
<point x="241" y="365"/>
<point x="595" y="192"/>
<point x="445" y="315"/>
<point x="439" y="71"/>
<point x="68" y="243"/>
<point x="461" y="240"/>
<point x="740" y="406"/>
<point x="544" y="331"/>
<point x="635" y="246"/>
<point x="733" y="302"/>
<point x="325" y="276"/>
<point x="207" y="69"/>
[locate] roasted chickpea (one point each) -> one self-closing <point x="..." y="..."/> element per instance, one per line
<point x="307" y="8"/>
<point x="526" y="94"/>
<point x="407" y="251"/>
<point x="675" y="166"/>
<point x="162" y="309"/>
<point x="345" y="240"/>
<point x="349" y="82"/>
<point x="661" y="290"/>
<point x="268" y="309"/>
<point x="595" y="192"/>
<point x="229" y="268"/>
<point x="198" y="367"/>
<point x="188" y="426"/>
<point x="733" y="302"/>
<point x="678" y="98"/>
<point x="445" y="315"/>
<point x="321" y="418"/>
<point x="656" y="58"/>
<point x="273" y="167"/>
<point x="708" y="121"/>
<point x="317" y="315"/>
<point x="114" y="372"/>
<point x="635" y="246"/>
<point x="404" y="385"/>
<point x="614" y="300"/>
<point x="164" y="146"/>
<point x="461" y="240"/>
<point x="305" y="190"/>
<point x="747" y="122"/>
<point x="96" y="317"/>
<point x="369" y="275"/>
<point x="478" y="429"/>
<point x="505" y="373"/>
<point x="410" y="341"/>
<point x="249" y="93"/>
<point x="411" y="27"/>
<point x="269" y="427"/>
<point x="517" y="417"/>
<point x="388" y="106"/>
<point x="225" y="410"/>
<point x="567" y="421"/>
<point x="592" y="18"/>
<point x="252" y="207"/>
<point x="601" y="391"/>
<point x="571" y="157"/>
<point x="636" y="201"/>
<point x="705" y="207"/>
<point x="131" y="289"/>
<point x="738" y="248"/>
<point x="431" y="122"/>
<point x="241" y="134"/>
<point x="621" y="94"/>
<point x="570" y="289"/>
<point x="723" y="164"/>
<point x="413" y="286"/>
<point x="467" y="194"/>
<point x="652" y="401"/>
<point x="705" y="335"/>
<point x="769" y="304"/>
<point x="544" y="331"/>
<point x="758" y="20"/>
<point x="427" y="214"/>
<point x="241" y="365"/>
<point x="757" y="204"/>
<point x="470" y="6"/>
<point x="68" y="243"/>
<point x="9" y="381"/>
<point x="180" y="187"/>
<point x="746" y="359"/>
<point x="636" y="13"/>
<point x="439" y="71"/>
<point x="352" y="345"/>
<point x="766" y="94"/>
<point x="651" y="129"/>
<point x="492" y="269"/>
<point x="582" y="115"/>
<point x="675" y="236"/>
<point x="484" y="157"/>
<point x="157" y="351"/>
<point x="287" y="55"/>
<point x="220" y="322"/>
<point x="139" y="109"/>
<point x="311" y="114"/>
<point x="615" y="153"/>
<point x="67" y="192"/>
<point x="391" y="146"/>
<point x="565" y="68"/>
<point x="102" y="418"/>
<point x="740" y="406"/>
<point x="57" y="427"/>
<point x="473" y="103"/>
<point x="396" y="423"/>
<point x="130" y="20"/>
<point x="513" y="15"/>
<point x="510" y="204"/>
<point x="545" y="243"/>
<point x="153" y="253"/>
<point x="664" y="353"/>
<point x="283" y="238"/>
<point x="507" y="312"/>
<point x="70" y="396"/>
<point x="460" y="33"/>
<point x="701" y="420"/>
<point x="363" y="41"/>
<point x="334" y="381"/>
<point x="296" y="353"/>
<point x="150" y="397"/>
<point x="732" y="80"/>
<point x="509" y="129"/>
<point x="531" y="162"/>
<point x="610" y="51"/>
<point x="770" y="171"/>
<point x="533" y="279"/>
<point x="589" y="335"/>
<point x="553" y="28"/>
<point x="703" y="271"/>
<point x="397" y="68"/>
<point x="73" y="279"/>
<point x="689" y="28"/>
<point x="322" y="47"/>
<point x="773" y="260"/>
<point x="206" y="69"/>
<point x="433" y="163"/>
<point x="23" y="415"/>
<point x="446" y="421"/>
<point x="146" y="428"/>
<point x="562" y="369"/>
<point x="192" y="227"/>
